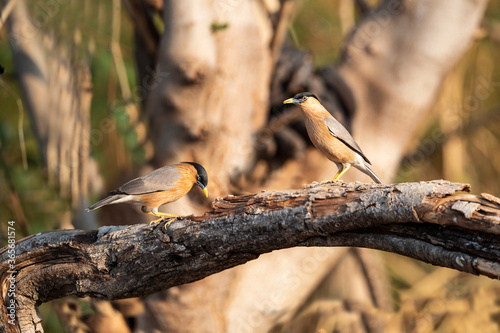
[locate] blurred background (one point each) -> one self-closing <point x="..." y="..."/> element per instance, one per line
<point x="93" y="125"/>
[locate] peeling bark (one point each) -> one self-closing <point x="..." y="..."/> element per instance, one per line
<point x="418" y="220"/>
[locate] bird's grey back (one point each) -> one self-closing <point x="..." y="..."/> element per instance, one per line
<point x="162" y="179"/>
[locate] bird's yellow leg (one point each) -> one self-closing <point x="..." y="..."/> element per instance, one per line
<point x="341" y="172"/>
<point x="162" y="215"/>
<point x="342" y="169"/>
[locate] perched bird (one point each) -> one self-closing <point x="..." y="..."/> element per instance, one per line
<point x="330" y="137"/>
<point x="161" y="186"/>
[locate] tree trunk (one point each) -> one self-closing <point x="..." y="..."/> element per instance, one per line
<point x="57" y="90"/>
<point x="396" y="76"/>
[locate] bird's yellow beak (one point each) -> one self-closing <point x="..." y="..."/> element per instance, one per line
<point x="289" y="101"/>
<point x="205" y="191"/>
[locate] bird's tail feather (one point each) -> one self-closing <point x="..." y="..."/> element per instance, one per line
<point x="367" y="170"/>
<point x="106" y="201"/>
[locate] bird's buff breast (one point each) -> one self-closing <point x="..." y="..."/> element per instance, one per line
<point x="334" y="149"/>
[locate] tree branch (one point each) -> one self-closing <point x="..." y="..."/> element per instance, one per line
<point x="428" y="221"/>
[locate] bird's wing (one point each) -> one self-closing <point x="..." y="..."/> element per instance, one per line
<point x="339" y="131"/>
<point x="162" y="179"/>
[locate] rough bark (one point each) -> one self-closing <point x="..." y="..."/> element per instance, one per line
<point x="428" y="221"/>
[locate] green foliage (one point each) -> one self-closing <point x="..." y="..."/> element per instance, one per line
<point x="217" y="26"/>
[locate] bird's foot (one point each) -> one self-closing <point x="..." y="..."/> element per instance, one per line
<point x="329" y="181"/>
<point x="170" y="220"/>
<point x="155" y="221"/>
<point x="162" y="216"/>
<point x="326" y="181"/>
